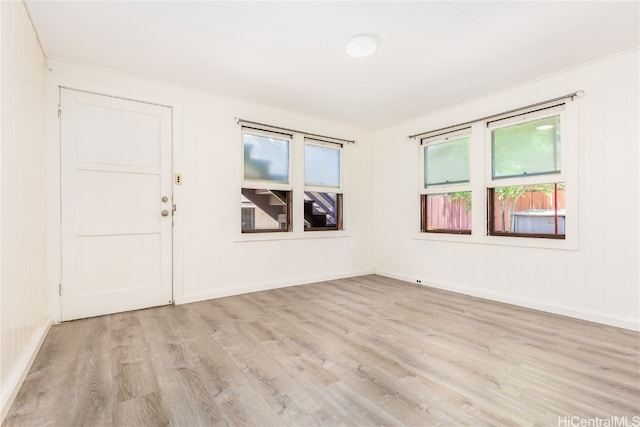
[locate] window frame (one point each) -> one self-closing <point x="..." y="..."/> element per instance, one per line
<point x="333" y="145"/>
<point x="442" y="188"/>
<point x="523" y="180"/>
<point x="288" y="209"/>
<point x="538" y="178"/>
<point x="257" y="184"/>
<point x="491" y="218"/>
<point x="338" y="191"/>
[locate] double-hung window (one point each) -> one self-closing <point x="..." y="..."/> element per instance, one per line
<point x="516" y="165"/>
<point x="292" y="182"/>
<point x="445" y="195"/>
<point x="322" y="185"/>
<point x="526" y="183"/>
<point x="266" y="186"/>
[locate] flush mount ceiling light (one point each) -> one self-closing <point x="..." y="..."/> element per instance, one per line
<point x="362" y="45"/>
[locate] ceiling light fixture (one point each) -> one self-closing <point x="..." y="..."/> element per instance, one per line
<point x="362" y="45"/>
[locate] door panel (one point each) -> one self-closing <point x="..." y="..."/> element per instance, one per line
<point x="138" y="197"/>
<point x="128" y="252"/>
<point x="115" y="170"/>
<point x="100" y="142"/>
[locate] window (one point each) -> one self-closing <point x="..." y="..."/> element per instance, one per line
<point x="447" y="161"/>
<point x="266" y="187"/>
<point x="248" y="213"/>
<point x="292" y="183"/>
<point x="323" y="185"/>
<point x="531" y="148"/>
<point x="526" y="191"/>
<point x="528" y="210"/>
<point x="506" y="179"/>
<point x="445" y="188"/>
<point x="446" y="213"/>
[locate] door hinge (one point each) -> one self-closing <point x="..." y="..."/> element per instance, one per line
<point x="59" y="112"/>
<point x="60" y="289"/>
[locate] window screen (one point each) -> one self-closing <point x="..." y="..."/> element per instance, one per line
<point x="266" y="158"/>
<point x="321" y="166"/>
<point x="447" y="162"/>
<point x="531" y="148"/>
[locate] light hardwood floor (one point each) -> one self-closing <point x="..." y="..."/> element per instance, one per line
<point x="362" y="351"/>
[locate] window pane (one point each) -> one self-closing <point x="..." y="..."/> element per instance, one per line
<point x="265" y="210"/>
<point x="321" y="166"/>
<point x="322" y="211"/>
<point x="266" y="159"/>
<point x="528" y="210"/>
<point x="531" y="148"/>
<point x="447" y="162"/>
<point x="447" y="213"/>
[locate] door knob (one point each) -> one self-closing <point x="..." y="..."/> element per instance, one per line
<point x="164" y="213"/>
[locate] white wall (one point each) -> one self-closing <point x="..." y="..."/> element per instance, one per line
<point x="211" y="258"/>
<point x="23" y="312"/>
<point x="598" y="279"/>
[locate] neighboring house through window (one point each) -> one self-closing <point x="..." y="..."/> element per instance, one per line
<point x="323" y="185"/>
<point x="266" y="187"/>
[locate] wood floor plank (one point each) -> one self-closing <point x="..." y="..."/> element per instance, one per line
<point x="231" y="391"/>
<point x="352" y="352"/>
<point x="145" y="410"/>
<point x="187" y="402"/>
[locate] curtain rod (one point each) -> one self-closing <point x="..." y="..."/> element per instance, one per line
<point x="576" y="94"/>
<point x="248" y="122"/>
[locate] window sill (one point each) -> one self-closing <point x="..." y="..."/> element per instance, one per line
<point x="264" y="237"/>
<point x="523" y="242"/>
<point x="444" y="237"/>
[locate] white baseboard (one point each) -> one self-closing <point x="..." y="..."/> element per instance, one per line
<point x="16" y="378"/>
<point x="235" y="290"/>
<point x="590" y="316"/>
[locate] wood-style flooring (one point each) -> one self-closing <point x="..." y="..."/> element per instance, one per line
<point x="354" y="352"/>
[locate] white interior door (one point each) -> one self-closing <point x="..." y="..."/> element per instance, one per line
<point x="115" y="184"/>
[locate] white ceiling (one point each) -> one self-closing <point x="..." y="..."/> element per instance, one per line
<point x="291" y="55"/>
